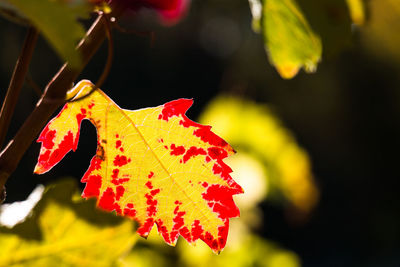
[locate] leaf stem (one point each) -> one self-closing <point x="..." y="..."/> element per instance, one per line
<point x="53" y="97"/>
<point x="16" y="82"/>
<point x="107" y="67"/>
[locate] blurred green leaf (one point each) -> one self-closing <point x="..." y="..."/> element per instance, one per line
<point x="11" y="13"/>
<point x="65" y="230"/>
<point x="57" y="20"/>
<point x="289" y="40"/>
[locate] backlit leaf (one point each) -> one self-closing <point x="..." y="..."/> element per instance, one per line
<point x="153" y="165"/>
<point x="357" y="11"/>
<point x="64" y="230"/>
<point x="289" y="40"/>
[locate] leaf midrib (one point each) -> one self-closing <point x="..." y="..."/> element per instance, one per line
<point x="109" y="100"/>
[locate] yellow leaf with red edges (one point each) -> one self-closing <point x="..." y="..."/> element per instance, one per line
<point x="153" y="165"/>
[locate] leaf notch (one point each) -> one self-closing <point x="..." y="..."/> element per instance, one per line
<point x="153" y="165"/>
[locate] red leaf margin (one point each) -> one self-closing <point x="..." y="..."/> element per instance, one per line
<point x="218" y="197"/>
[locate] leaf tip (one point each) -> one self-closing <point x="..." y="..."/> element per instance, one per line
<point x="38" y="169"/>
<point x="175" y="108"/>
<point x="287" y="71"/>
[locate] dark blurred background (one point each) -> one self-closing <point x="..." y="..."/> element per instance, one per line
<point x="346" y="115"/>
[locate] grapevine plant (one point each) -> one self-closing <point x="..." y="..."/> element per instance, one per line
<point x="142" y="156"/>
<point x="152" y="165"/>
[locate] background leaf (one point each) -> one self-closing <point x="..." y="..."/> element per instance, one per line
<point x="357" y="11"/>
<point x="10" y="12"/>
<point x="57" y="20"/>
<point x="289" y="40"/>
<point x="254" y="129"/>
<point x="64" y="230"/>
<point x="251" y="251"/>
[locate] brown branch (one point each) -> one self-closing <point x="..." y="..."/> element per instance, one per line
<point x="16" y="82"/>
<point x="52" y="99"/>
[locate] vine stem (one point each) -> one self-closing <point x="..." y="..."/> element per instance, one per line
<point x="52" y="98"/>
<point x="16" y="82"/>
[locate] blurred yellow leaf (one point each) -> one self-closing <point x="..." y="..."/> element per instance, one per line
<point x="251" y="251"/>
<point x="144" y="257"/>
<point x="250" y="172"/>
<point x="357" y="12"/>
<point x="289" y="40"/>
<point x="254" y="128"/>
<point x="65" y="232"/>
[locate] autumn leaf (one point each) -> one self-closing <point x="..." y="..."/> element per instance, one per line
<point x="153" y="165"/>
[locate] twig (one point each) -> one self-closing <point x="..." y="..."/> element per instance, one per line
<point x="52" y="99"/>
<point x="17" y="80"/>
